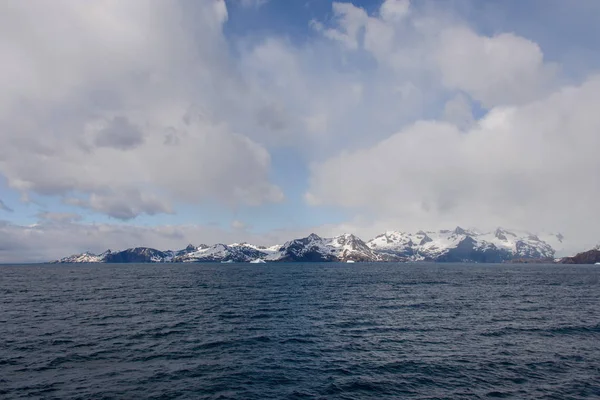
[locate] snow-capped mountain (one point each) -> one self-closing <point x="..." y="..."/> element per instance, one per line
<point x="315" y="248"/>
<point x="458" y="245"/>
<point x="518" y="244"/>
<point x="237" y="252"/>
<point x="402" y="245"/>
<point x="133" y="255"/>
<point x="86" y="257"/>
<point x="461" y="245"/>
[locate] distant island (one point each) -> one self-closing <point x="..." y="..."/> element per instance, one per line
<point x="458" y="245"/>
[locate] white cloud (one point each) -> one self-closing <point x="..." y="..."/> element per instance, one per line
<point x="499" y="70"/>
<point x="111" y="103"/>
<point x="238" y="225"/>
<point x="531" y="166"/>
<point x="394" y="10"/>
<point x="458" y="111"/>
<point x="122" y="203"/>
<point x="351" y="22"/>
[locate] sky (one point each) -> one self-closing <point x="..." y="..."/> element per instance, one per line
<point x="153" y="123"/>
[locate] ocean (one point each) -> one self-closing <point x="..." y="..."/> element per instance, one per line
<point x="299" y="331"/>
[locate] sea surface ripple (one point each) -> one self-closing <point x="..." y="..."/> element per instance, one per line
<point x="299" y="331"/>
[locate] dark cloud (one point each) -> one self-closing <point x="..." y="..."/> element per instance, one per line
<point x="120" y="134"/>
<point x="122" y="203"/>
<point x="273" y="118"/>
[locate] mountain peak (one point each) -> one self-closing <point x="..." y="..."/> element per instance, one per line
<point x="348" y="239"/>
<point x="348" y="236"/>
<point x="460" y="231"/>
<point x="500" y="234"/>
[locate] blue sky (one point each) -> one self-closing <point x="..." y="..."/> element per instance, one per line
<point x="159" y="123"/>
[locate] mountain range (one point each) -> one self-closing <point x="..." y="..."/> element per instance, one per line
<point x="458" y="245"/>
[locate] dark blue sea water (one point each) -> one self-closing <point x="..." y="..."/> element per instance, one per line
<point x="299" y="331"/>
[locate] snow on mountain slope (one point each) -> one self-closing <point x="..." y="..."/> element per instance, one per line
<point x="310" y="248"/>
<point x="351" y="248"/>
<point x="441" y="243"/>
<point x="315" y="248"/>
<point x="238" y="252"/>
<point x="348" y="247"/>
<point x="400" y="244"/>
<point x="419" y="246"/>
<point x="519" y="243"/>
<point x="558" y="242"/>
<point x="86" y="257"/>
<point x="462" y="245"/>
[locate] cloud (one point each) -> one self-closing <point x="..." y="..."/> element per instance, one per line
<point x="499" y="70"/>
<point x="238" y="225"/>
<point x="459" y="111"/>
<point x="394" y="10"/>
<point x="530" y="166"/>
<point x="119" y="133"/>
<point x="351" y="21"/>
<point x="122" y="203"/>
<point x="127" y="112"/>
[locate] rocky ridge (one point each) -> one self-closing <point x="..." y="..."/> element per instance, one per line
<point x="586" y="257"/>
